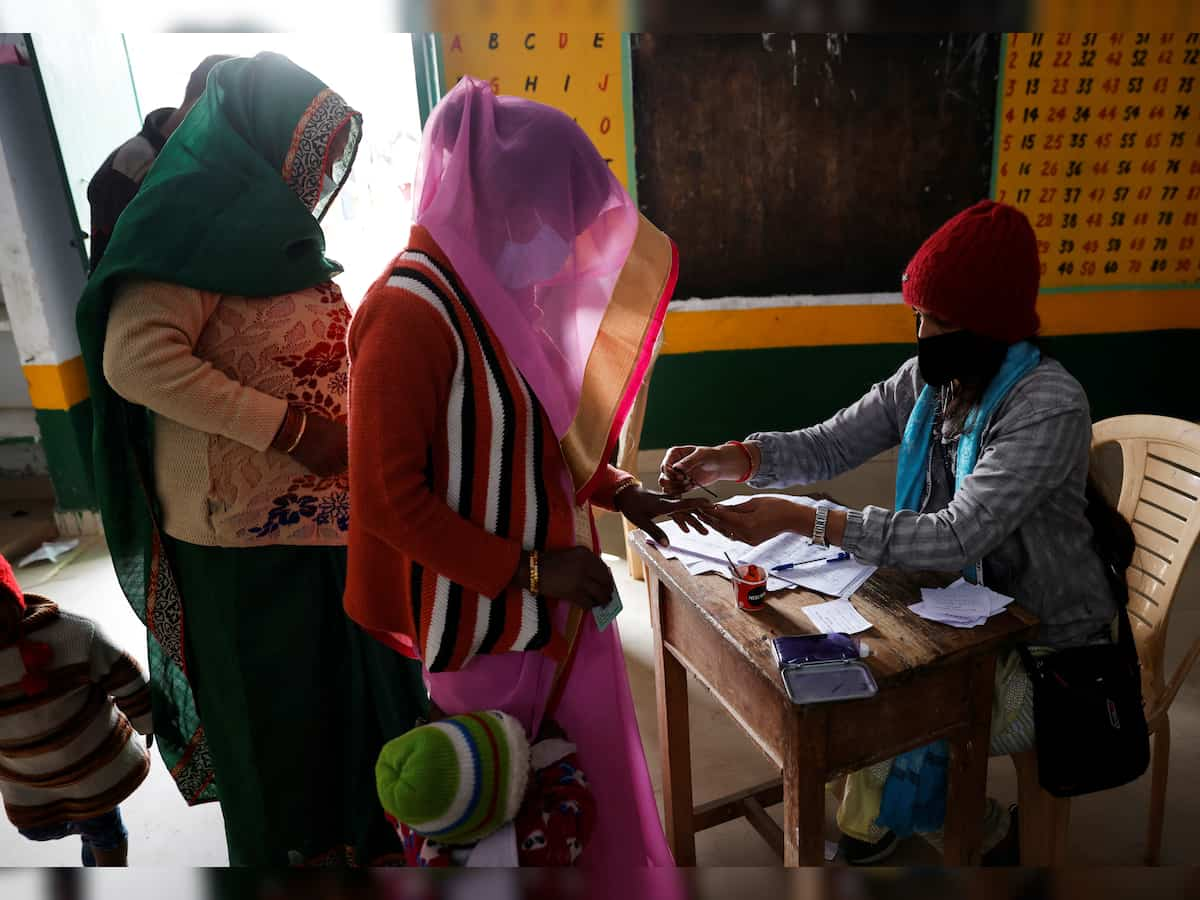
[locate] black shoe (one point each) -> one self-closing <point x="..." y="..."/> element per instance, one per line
<point x="1008" y="851"/>
<point x="861" y="853"/>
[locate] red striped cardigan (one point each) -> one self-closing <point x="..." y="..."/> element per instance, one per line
<point x="453" y="471"/>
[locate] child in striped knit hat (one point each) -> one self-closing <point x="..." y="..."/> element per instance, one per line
<point x="69" y="704"/>
<point x="469" y="790"/>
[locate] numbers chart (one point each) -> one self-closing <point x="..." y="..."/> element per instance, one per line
<point x="1099" y="144"/>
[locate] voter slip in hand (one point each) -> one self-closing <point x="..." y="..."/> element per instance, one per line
<point x="961" y="605"/>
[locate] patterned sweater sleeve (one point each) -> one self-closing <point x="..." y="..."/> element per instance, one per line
<point x="120" y="676"/>
<point x="402" y="362"/>
<point x="150" y="360"/>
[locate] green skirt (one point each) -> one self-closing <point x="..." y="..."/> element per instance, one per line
<point x="296" y="702"/>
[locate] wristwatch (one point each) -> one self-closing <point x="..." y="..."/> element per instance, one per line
<point x="822" y="519"/>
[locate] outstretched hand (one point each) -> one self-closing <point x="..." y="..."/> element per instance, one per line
<point x="755" y="521"/>
<point x="641" y="507"/>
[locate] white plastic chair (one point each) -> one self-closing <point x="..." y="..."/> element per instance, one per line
<point x="1160" y="498"/>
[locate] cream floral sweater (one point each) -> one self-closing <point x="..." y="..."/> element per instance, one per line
<point x="218" y="372"/>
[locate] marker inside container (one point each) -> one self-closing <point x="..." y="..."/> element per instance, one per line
<point x="750" y="583"/>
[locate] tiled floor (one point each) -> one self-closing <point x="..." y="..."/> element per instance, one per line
<point x="1105" y="829"/>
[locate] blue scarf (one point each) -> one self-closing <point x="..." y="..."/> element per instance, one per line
<point x="914" y="796"/>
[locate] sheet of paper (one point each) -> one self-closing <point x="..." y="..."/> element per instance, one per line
<point x="49" y="551"/>
<point x="836" y="615"/>
<point x="838" y="579"/>
<point x="933" y="614"/>
<point x="961" y="605"/>
<point x="864" y="573"/>
<point x="957" y="603"/>
<point x="704" y="554"/>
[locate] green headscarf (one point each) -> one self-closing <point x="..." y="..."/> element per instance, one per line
<point x="231" y="205"/>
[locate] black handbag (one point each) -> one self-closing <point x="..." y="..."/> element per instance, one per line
<point x="1088" y="712"/>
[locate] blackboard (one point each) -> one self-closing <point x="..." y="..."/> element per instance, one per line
<point x="809" y="164"/>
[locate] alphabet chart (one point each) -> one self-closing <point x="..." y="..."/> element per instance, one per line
<point x="1098" y="143"/>
<point x="580" y="73"/>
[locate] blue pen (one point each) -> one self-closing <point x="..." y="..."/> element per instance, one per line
<point x="811" y="562"/>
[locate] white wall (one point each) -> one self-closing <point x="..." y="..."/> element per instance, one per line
<point x="14" y="392"/>
<point x="41" y="272"/>
<point x="369" y="222"/>
<point x="90" y="94"/>
<point x="16" y="409"/>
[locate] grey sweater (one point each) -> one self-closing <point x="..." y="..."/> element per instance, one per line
<point x="1021" y="510"/>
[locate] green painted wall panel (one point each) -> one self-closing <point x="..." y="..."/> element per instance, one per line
<point x="1152" y="372"/>
<point x="713" y="397"/>
<point x="67" y="438"/>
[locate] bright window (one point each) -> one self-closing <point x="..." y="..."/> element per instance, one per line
<point x="369" y="222"/>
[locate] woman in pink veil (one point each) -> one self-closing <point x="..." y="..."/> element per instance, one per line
<point x="492" y="367"/>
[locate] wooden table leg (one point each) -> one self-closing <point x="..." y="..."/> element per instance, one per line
<point x="1044" y="817"/>
<point x="966" y="792"/>
<point x="804" y="774"/>
<point x="670" y="681"/>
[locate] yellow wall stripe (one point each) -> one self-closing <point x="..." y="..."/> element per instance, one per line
<point x="57" y="387"/>
<point x="1104" y="312"/>
<point x="1108" y="312"/>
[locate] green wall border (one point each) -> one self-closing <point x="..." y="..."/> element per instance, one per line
<point x="713" y="397"/>
<point x="67" y="440"/>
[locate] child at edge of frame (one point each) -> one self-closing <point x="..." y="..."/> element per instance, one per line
<point x="70" y="701"/>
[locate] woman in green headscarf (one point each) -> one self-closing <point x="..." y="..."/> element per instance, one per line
<point x="214" y="341"/>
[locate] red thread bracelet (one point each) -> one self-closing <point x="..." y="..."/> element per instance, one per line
<point x="749" y="460"/>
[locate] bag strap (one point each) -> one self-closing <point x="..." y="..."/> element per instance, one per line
<point x="562" y="672"/>
<point x="1124" y="626"/>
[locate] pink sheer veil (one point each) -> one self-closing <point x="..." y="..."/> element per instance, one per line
<point x="536" y="226"/>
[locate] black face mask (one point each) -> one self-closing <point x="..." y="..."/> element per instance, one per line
<point x="959" y="354"/>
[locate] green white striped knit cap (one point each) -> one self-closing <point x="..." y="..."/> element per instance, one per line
<point x="458" y="780"/>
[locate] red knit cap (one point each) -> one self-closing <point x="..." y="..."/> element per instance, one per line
<point x="8" y="583"/>
<point x="980" y="272"/>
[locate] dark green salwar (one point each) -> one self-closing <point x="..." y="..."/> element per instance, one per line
<point x="296" y="702"/>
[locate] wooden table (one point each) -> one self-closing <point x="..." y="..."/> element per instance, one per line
<point x="934" y="682"/>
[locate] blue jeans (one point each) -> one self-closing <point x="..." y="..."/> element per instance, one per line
<point x="104" y="832"/>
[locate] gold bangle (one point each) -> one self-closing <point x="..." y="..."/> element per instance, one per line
<point x="623" y="486"/>
<point x="299" y="434"/>
<point x="533" y="572"/>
